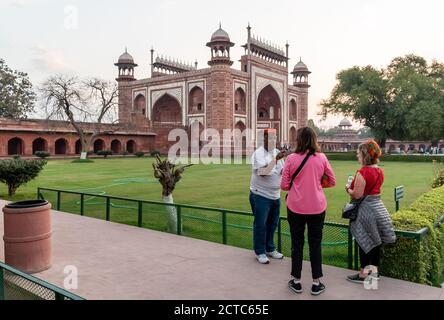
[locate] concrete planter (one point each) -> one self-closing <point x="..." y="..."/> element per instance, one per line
<point x="27" y="235"/>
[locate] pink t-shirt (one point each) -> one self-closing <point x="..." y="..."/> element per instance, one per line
<point x="306" y="195"/>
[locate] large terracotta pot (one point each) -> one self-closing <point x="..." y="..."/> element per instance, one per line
<point x="27" y="235"/>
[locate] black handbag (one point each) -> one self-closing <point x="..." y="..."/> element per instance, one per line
<point x="310" y="153"/>
<point x="351" y="210"/>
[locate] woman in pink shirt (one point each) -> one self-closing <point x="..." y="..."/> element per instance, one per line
<point x="306" y="205"/>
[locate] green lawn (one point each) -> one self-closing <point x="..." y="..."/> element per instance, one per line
<point x="224" y="186"/>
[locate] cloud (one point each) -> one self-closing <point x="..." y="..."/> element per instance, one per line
<point x="48" y="60"/>
<point x="18" y="3"/>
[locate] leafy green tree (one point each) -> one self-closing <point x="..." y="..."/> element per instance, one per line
<point x="17" y="172"/>
<point x="403" y="101"/>
<point x="312" y="125"/>
<point x="16" y="95"/>
<point x="364" y="133"/>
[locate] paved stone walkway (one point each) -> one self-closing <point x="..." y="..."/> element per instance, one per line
<point x="117" y="261"/>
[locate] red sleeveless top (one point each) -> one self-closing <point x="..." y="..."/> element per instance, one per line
<point x="374" y="178"/>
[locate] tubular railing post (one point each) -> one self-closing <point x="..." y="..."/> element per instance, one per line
<point x="2" y="285"/>
<point x="350" y="250"/>
<point x="107" y="208"/>
<point x="139" y="219"/>
<point x="179" y="220"/>
<point x="280" y="235"/>
<point x="38" y="194"/>
<point x="224" y="227"/>
<point x="58" y="200"/>
<point x="82" y="204"/>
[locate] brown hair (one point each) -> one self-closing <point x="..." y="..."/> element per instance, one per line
<point x="306" y="140"/>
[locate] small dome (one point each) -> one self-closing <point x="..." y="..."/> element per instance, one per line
<point x="220" y="35"/>
<point x="300" y="66"/>
<point x="126" y="58"/>
<point x="345" y="123"/>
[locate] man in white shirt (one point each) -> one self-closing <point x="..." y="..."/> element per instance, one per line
<point x="265" y="196"/>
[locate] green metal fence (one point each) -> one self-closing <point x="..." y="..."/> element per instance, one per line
<point x="224" y="226"/>
<point x="17" y="285"/>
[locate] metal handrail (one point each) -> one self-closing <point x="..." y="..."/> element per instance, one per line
<point x="60" y="294"/>
<point x="352" y="247"/>
<point x="407" y="234"/>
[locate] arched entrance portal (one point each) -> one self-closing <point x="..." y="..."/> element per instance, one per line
<point x="269" y="110"/>
<point x="116" y="146"/>
<point x="167" y="110"/>
<point x="131" y="146"/>
<point x="15" y="147"/>
<point x="99" y="145"/>
<point x="39" y="144"/>
<point x="61" y="146"/>
<point x="78" y="147"/>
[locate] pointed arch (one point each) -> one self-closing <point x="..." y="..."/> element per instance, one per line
<point x="167" y="109"/>
<point x="140" y="104"/>
<point x="61" y="146"/>
<point x="292" y="137"/>
<point x="293" y="110"/>
<point x="240" y="105"/>
<point x="116" y="146"/>
<point x="196" y="100"/>
<point x="269" y="104"/>
<point x="99" y="145"/>
<point x="39" y="144"/>
<point x="16" y="146"/>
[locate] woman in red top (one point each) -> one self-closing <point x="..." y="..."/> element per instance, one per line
<point x="373" y="226"/>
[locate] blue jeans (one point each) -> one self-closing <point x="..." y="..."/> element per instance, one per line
<point x="266" y="218"/>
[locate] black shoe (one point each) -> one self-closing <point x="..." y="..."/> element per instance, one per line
<point x="295" y="287"/>
<point x="317" y="289"/>
<point x="356" y="278"/>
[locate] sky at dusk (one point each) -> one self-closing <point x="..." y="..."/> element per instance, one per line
<point x="44" y="37"/>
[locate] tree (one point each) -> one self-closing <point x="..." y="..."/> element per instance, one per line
<point x="16" y="95"/>
<point x="365" y="133"/>
<point x="362" y="94"/>
<point x="17" y="172"/>
<point x="86" y="105"/>
<point x="312" y="125"/>
<point x="169" y="175"/>
<point x="403" y="101"/>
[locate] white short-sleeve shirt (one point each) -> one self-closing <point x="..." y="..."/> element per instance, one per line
<point x="266" y="186"/>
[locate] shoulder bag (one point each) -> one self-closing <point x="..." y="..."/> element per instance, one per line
<point x="350" y="211"/>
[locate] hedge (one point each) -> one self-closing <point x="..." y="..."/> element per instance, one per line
<point x="386" y="157"/>
<point x="412" y="260"/>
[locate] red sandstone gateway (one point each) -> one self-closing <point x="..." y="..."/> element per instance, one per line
<point x="27" y="235"/>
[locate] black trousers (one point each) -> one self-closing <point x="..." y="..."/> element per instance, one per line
<point x="372" y="258"/>
<point x="315" y="223"/>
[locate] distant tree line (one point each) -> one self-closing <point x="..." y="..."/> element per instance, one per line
<point x="404" y="101"/>
<point x="363" y="132"/>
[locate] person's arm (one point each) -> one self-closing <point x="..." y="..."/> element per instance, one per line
<point x="257" y="162"/>
<point x="330" y="174"/>
<point x="358" y="189"/>
<point x="286" y="176"/>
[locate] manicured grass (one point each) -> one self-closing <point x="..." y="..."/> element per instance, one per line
<point x="221" y="186"/>
<point x="224" y="186"/>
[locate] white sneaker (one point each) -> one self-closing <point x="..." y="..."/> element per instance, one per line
<point x="262" y="258"/>
<point x="275" y="255"/>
